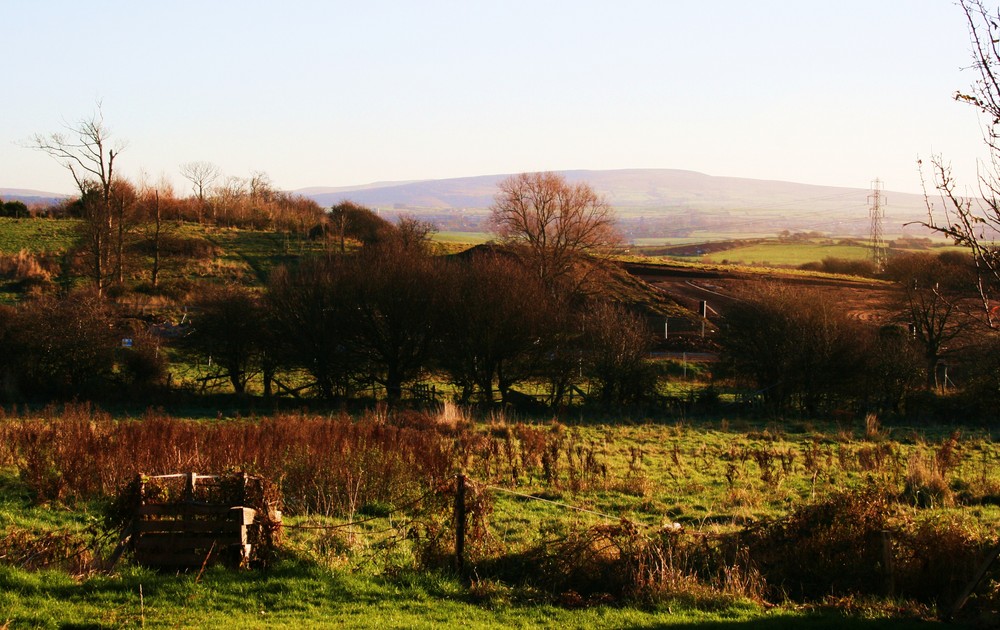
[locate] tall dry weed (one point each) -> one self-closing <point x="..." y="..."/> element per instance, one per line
<point x="23" y="265"/>
<point x="329" y="465"/>
<point x="926" y="484"/>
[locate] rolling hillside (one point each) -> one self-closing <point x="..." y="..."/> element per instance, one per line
<point x="660" y="202"/>
<point x="651" y="203"/>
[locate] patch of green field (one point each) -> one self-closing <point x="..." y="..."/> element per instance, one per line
<point x="697" y="474"/>
<point x="259" y="252"/>
<point x="777" y="253"/>
<point x="37" y="235"/>
<point x="708" y="476"/>
<point x="465" y="238"/>
<point x="667" y="240"/>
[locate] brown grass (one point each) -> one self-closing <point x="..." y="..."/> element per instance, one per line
<point x="23" y="265"/>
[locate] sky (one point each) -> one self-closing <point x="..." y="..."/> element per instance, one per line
<point x="330" y="93"/>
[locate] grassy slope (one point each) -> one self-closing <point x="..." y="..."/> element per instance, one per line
<point x="37" y="235"/>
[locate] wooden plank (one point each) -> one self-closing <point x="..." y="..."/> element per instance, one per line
<point x="190" y="526"/>
<point x="188" y="560"/>
<point x="183" y="542"/>
<point x="180" y="509"/>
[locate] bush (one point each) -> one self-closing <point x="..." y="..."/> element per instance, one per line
<point x="937" y="555"/>
<point x="60" y="348"/>
<point x="832" y="547"/>
<point x="330" y="466"/>
<point x="842" y="266"/>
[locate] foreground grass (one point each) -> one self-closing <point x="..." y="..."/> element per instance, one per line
<point x="709" y="476"/>
<point x="298" y="595"/>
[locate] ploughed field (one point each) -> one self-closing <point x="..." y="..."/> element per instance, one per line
<point x="868" y="300"/>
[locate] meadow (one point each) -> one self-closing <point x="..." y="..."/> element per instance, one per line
<point x="781" y="254"/>
<point x="611" y="522"/>
<point x="37" y="235"/>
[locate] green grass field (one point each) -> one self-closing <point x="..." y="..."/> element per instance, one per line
<point x="464" y="238"/>
<point x="296" y="595"/>
<point x="782" y="254"/>
<point x="37" y="235"/>
<point x="711" y="477"/>
<point x="774" y="252"/>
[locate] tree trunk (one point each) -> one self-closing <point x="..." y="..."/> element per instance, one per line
<point x="156" y="238"/>
<point x="393" y="386"/>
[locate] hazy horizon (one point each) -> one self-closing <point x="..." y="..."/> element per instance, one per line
<point x="319" y="94"/>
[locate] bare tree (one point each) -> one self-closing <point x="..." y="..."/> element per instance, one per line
<point x="227" y="329"/>
<point x="87" y="151"/>
<point x="201" y="175"/>
<point x="616" y="350"/>
<point x="975" y="223"/>
<point x="124" y="202"/>
<point x="415" y="233"/>
<point x="934" y="301"/>
<point x="153" y="199"/>
<point x="557" y="223"/>
<point x="796" y="347"/>
<point x="396" y="316"/>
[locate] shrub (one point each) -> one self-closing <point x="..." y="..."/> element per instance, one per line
<point x="832" y="547"/>
<point x="936" y="555"/>
<point x="926" y="484"/>
<point x="322" y="465"/>
<point x="60" y="348"/>
<point x="842" y="266"/>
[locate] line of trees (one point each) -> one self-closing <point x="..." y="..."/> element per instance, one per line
<point x="491" y="321"/>
<point x="393" y="314"/>
<point x="333" y="327"/>
<point x="336" y="326"/>
<point x="524" y="314"/>
<point x="801" y="351"/>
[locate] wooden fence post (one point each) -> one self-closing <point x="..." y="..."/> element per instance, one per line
<point x="189" y="483"/>
<point x="460" y="522"/>
<point x="888" y="564"/>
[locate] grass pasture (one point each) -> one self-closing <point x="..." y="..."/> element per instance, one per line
<point x="784" y="254"/>
<point x="38" y="236"/>
<point x="462" y="238"/>
<point x="563" y="521"/>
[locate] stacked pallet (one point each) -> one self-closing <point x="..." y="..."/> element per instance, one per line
<point x="207" y="524"/>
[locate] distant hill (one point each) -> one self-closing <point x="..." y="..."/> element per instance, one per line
<point x="650" y="203"/>
<point x="31" y="197"/>
<point x="653" y="202"/>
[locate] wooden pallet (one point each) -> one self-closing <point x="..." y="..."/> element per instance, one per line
<point x="191" y="533"/>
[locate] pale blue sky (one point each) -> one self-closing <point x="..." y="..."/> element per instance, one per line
<point x="326" y="93"/>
